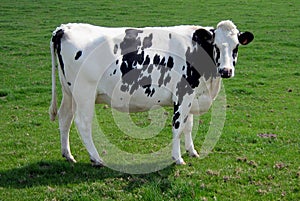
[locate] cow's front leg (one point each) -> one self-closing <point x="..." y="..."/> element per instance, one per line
<point x="176" y="151"/>
<point x="179" y="119"/>
<point x="189" y="145"/>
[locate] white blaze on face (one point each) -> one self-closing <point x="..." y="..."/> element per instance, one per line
<point x="225" y="47"/>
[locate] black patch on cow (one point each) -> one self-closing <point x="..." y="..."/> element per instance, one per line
<point x="152" y="92"/>
<point x="115" y="49"/>
<point x="204" y="39"/>
<point x="234" y="54"/>
<point x="78" y="55"/>
<point x="156" y="59"/>
<point x="199" y="62"/>
<point x="69" y="83"/>
<point x="202" y="57"/>
<point x="162" y="63"/>
<point x="170" y="35"/>
<point x="56" y="39"/>
<point x="177" y="124"/>
<point x="217" y="55"/>
<point x="176" y="116"/>
<point x="170" y="62"/>
<point x="185" y="119"/>
<point x="235" y="51"/>
<point x="117" y="62"/>
<point x="115" y="71"/>
<point x="147" y="42"/>
<point x="148" y="90"/>
<point x="183" y="88"/>
<point x="150" y="68"/>
<point x="167" y="79"/>
<point x="176" y="107"/>
<point x="134" y="55"/>
<point x="164" y="68"/>
<point x="131" y="41"/>
<point x="124" y="88"/>
<point x="146" y="61"/>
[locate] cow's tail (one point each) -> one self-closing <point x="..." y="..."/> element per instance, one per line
<point x="54" y="44"/>
<point x="53" y="106"/>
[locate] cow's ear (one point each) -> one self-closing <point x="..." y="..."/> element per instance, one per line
<point x="245" y="37"/>
<point x="202" y="35"/>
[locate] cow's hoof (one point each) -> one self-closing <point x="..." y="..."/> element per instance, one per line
<point x="194" y="154"/>
<point x="70" y="159"/>
<point x="180" y="162"/>
<point x="97" y="164"/>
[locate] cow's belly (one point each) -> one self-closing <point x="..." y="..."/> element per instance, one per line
<point x="136" y="102"/>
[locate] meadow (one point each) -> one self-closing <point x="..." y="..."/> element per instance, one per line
<point x="256" y="158"/>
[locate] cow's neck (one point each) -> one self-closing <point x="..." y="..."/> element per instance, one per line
<point x="210" y="87"/>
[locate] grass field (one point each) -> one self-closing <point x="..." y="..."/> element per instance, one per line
<point x="263" y="98"/>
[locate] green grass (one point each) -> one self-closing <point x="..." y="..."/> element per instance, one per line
<point x="263" y="98"/>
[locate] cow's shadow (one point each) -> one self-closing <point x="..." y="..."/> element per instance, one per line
<point x="60" y="173"/>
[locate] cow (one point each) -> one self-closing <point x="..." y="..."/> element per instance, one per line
<point x="134" y="69"/>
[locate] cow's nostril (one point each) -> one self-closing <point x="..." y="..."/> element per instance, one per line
<point x="225" y="72"/>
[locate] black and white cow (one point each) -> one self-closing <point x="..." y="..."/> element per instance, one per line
<point x="134" y="69"/>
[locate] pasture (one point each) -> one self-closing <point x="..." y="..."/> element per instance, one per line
<point x="256" y="158"/>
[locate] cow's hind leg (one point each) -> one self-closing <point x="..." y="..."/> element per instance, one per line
<point x="189" y="145"/>
<point x="85" y="104"/>
<point x="65" y="116"/>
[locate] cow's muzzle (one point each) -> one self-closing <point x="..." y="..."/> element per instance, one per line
<point x="226" y="72"/>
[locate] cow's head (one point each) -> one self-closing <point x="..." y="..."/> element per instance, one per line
<point x="222" y="44"/>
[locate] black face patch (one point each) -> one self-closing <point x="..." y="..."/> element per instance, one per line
<point x="202" y="57"/>
<point x="234" y="54"/>
<point x="204" y="38"/>
<point x="78" y="55"/>
<point x="217" y="55"/>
